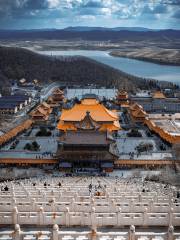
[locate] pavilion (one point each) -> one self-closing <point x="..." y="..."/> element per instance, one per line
<point x="122" y="98"/>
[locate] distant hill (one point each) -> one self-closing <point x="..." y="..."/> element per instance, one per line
<point x="17" y="63"/>
<point x="86" y="29"/>
<point x="93" y="34"/>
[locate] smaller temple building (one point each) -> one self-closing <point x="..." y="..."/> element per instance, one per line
<point x="122" y="98"/>
<point x="41" y="113"/>
<point x="56" y="98"/>
<point x="137" y="113"/>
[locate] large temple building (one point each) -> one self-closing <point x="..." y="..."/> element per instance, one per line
<point x="87" y="139"/>
<point x="89" y="114"/>
<point x="86" y="149"/>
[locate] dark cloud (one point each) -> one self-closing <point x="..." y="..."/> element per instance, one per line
<point x="36" y="4"/>
<point x="93" y="4"/>
<point x="171" y="2"/>
<point x="103" y="11"/>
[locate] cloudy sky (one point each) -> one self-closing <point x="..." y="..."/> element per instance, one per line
<point x="26" y="14"/>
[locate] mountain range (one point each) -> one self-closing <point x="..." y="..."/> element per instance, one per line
<point x="92" y="34"/>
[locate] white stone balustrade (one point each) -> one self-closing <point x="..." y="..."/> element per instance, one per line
<point x="121" y="202"/>
<point x="57" y="234"/>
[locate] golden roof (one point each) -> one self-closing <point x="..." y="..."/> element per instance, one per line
<point x="159" y="95"/>
<point x="97" y="111"/>
<point x="13" y="132"/>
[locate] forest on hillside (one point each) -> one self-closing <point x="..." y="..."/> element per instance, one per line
<point x="17" y="63"/>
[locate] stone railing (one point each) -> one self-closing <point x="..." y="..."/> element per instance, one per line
<point x="93" y="234"/>
<point x="68" y="218"/>
<point x="102" y="206"/>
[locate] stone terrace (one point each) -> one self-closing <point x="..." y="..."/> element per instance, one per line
<point x="121" y="205"/>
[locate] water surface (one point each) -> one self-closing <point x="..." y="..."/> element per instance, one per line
<point x="135" y="67"/>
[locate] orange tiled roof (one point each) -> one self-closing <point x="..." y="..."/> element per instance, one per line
<point x="159" y="95"/>
<point x="96" y="110"/>
<point x="13" y="132"/>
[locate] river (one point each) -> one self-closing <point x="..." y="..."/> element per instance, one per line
<point x="134" y="67"/>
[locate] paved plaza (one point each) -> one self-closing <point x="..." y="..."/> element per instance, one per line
<point x="101" y="92"/>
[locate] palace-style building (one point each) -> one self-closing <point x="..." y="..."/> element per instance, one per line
<point x="87" y="136"/>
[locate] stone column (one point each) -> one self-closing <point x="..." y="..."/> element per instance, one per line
<point x="112" y="206"/>
<point x="17" y="232"/>
<point x="155" y="197"/>
<point x="171" y="233"/>
<point x="171" y="203"/>
<point x="151" y="205"/>
<point x="15" y="215"/>
<point x="67" y="217"/>
<point x="171" y="216"/>
<point x="119" y="217"/>
<point x="55" y="232"/>
<point x="41" y="216"/>
<point x="145" y="216"/>
<point x="13" y="202"/>
<point x="93" y="219"/>
<point x="33" y="204"/>
<point x="53" y="205"/>
<point x="140" y="197"/>
<point x="73" y="205"/>
<point x="82" y="219"/>
<point x="132" y="232"/>
<point x="131" y="206"/>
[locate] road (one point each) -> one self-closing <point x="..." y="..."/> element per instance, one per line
<point x="46" y="91"/>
